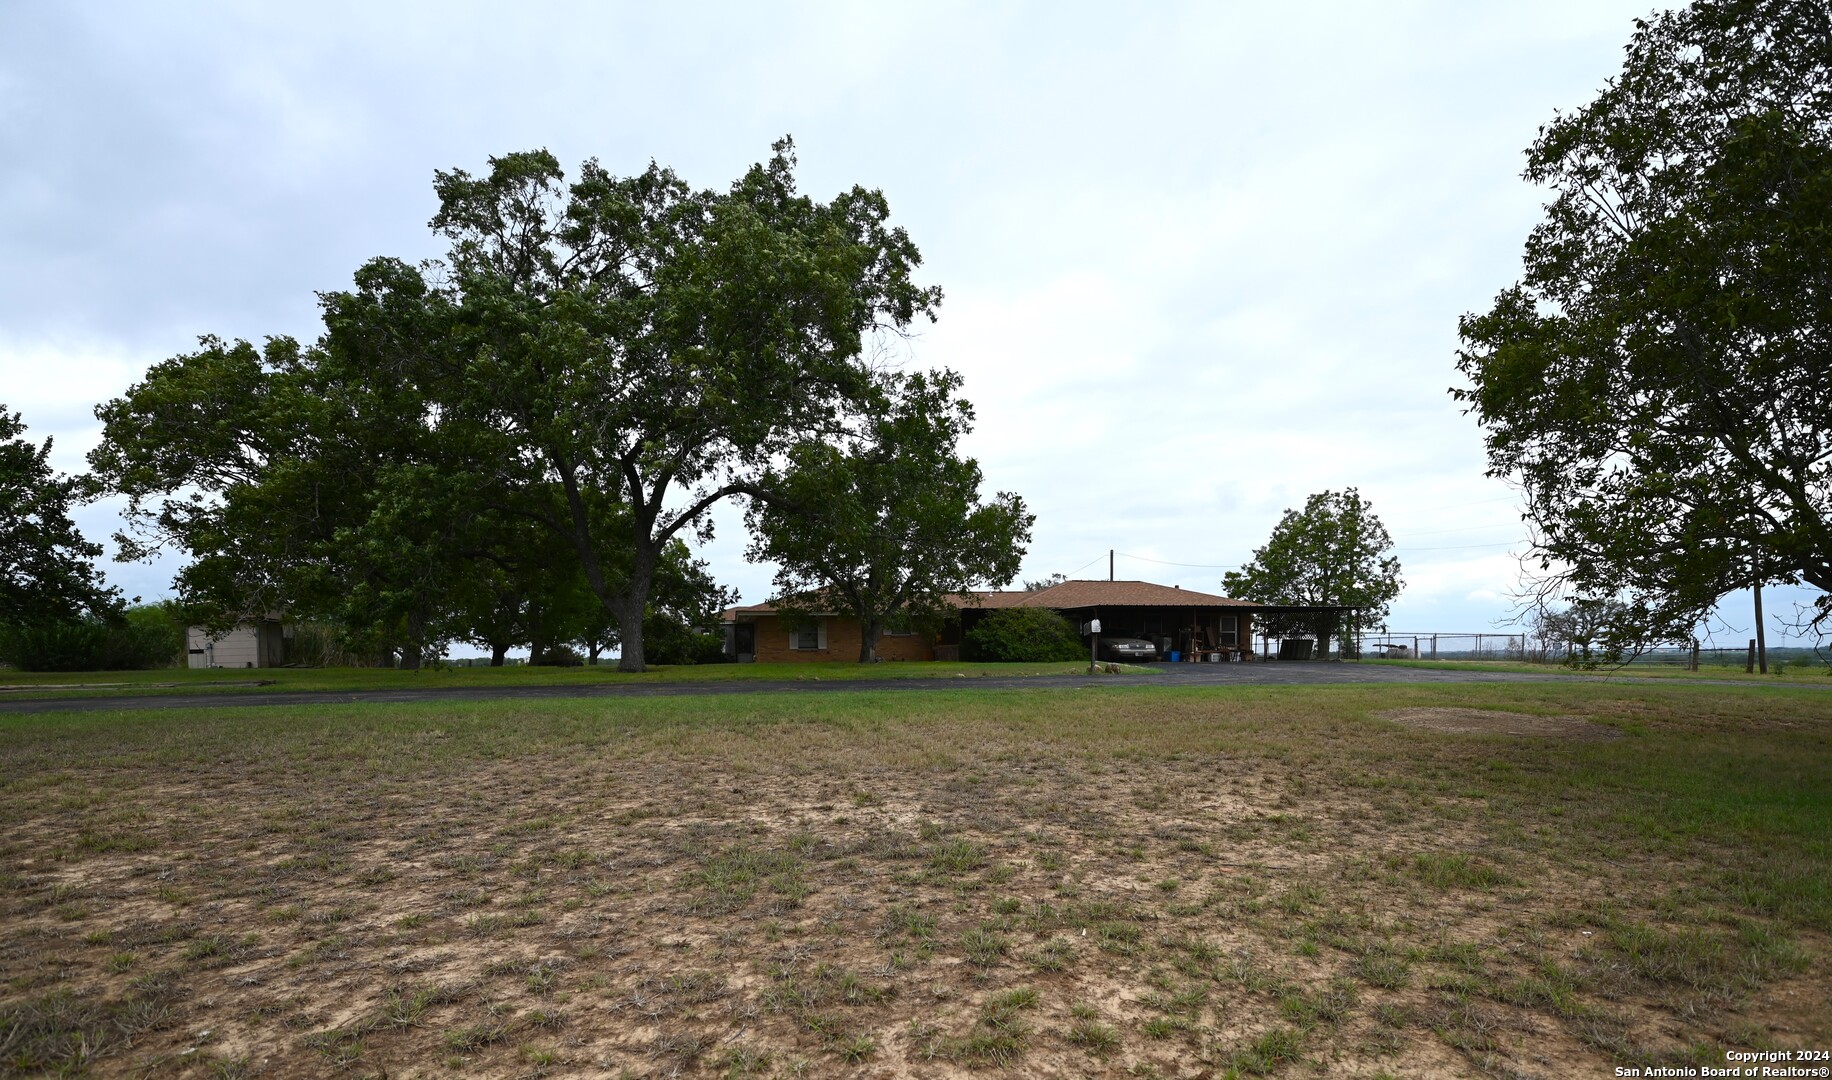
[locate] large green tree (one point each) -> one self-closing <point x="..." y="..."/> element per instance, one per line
<point x="46" y="568"/>
<point x="1659" y="382"/>
<point x="314" y="480"/>
<point x="888" y="521"/>
<point x="1332" y="553"/>
<point x="606" y="359"/>
<point x="646" y="348"/>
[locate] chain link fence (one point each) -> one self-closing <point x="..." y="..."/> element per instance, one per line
<point x="1525" y="648"/>
<point x="1454" y="646"/>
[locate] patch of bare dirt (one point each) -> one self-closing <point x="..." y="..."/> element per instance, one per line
<point x="1463" y="721"/>
<point x="1054" y="917"/>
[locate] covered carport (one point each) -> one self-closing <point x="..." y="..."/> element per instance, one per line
<point x="1193" y="625"/>
<point x="1176" y="620"/>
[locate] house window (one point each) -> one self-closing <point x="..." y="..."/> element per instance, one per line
<point x="899" y="633"/>
<point x="1227" y="630"/>
<point x="809" y="638"/>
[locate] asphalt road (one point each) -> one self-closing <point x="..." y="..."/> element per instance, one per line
<point x="1217" y="675"/>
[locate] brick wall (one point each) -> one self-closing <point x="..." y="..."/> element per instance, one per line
<point x="842" y="643"/>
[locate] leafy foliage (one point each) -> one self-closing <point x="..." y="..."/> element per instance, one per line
<point x="45" y="568"/>
<point x="1330" y="554"/>
<point x="306" y="480"/>
<point x="488" y="448"/>
<point x="144" y="636"/>
<point x="891" y="526"/>
<point x="1023" y="635"/>
<point x="639" y="345"/>
<point x="1657" y="382"/>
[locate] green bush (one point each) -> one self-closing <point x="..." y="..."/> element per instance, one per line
<point x="1023" y="635"/>
<point x="668" y="642"/>
<point x="147" y="636"/>
<point x="557" y="656"/>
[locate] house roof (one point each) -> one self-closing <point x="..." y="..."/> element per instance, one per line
<point x="1069" y="596"/>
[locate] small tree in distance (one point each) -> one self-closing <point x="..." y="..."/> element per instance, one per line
<point x="1330" y="554"/>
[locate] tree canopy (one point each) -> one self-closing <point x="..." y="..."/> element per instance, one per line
<point x="46" y="572"/>
<point x="1332" y="553"/>
<point x="1659" y="382"/>
<point x="888" y="521"/>
<point x="590" y="369"/>
<point x="644" y="346"/>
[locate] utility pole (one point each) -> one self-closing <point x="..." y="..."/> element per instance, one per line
<point x="1109" y="564"/>
<point x="1761" y="634"/>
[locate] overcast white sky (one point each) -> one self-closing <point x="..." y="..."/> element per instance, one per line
<point x="1200" y="259"/>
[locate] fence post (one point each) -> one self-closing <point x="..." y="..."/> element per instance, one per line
<point x="1749" y="666"/>
<point x="1694" y="654"/>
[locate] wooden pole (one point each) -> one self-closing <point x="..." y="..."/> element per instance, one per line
<point x="1749" y="665"/>
<point x="1761" y="634"/>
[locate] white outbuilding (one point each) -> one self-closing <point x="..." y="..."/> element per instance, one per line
<point x="253" y="643"/>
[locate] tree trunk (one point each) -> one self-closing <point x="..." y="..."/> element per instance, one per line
<point x="625" y="606"/>
<point x="413" y="650"/>
<point x="629" y="605"/>
<point x="868" y="640"/>
<point x="593" y="648"/>
<point x="627" y="609"/>
<point x="1761" y="633"/>
<point x="498" y="650"/>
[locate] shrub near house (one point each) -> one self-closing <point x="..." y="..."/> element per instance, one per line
<point x="1023" y="635"/>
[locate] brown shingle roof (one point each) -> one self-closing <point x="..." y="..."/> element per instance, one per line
<point x="1086" y="594"/>
<point x="1071" y="595"/>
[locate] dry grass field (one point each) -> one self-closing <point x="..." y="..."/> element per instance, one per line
<point x="1542" y="880"/>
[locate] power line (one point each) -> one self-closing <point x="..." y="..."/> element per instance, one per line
<point x="1083" y="566"/>
<point x="1191" y="565"/>
<point x="1470" y="528"/>
<point x="1461" y="505"/>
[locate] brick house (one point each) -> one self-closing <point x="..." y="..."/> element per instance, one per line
<point x="1166" y="615"/>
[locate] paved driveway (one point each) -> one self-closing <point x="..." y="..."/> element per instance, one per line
<point x="1178" y="675"/>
